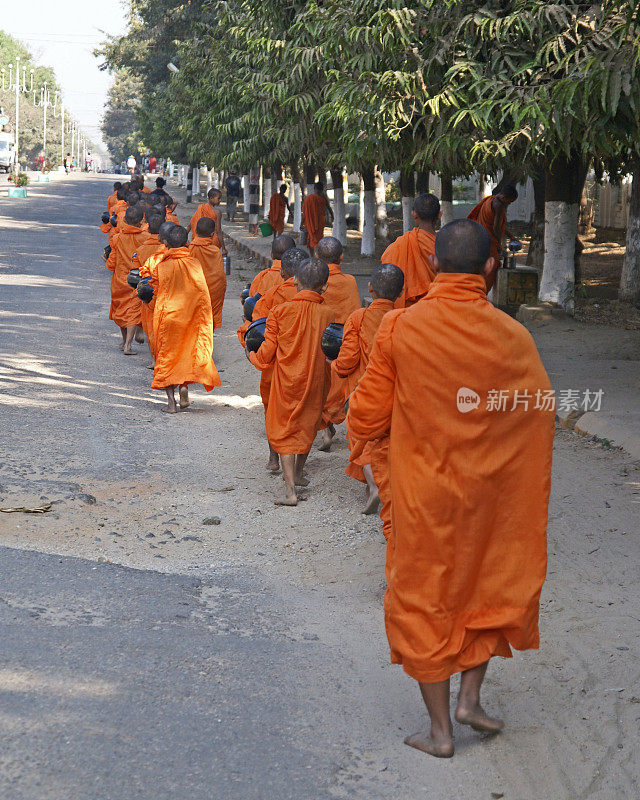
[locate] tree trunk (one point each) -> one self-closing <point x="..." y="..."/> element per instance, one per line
<point x="564" y="179"/>
<point x="630" y="277"/>
<point x="367" y="247"/>
<point x="189" y="183"/>
<point x="407" y="191"/>
<point x="382" y="226"/>
<point x="361" y="206"/>
<point x="585" y="220"/>
<point x="535" y="256"/>
<point x="422" y="182"/>
<point x="266" y="191"/>
<point x="446" y="198"/>
<point x="296" y="178"/>
<point x="310" y="177"/>
<point x="339" y="215"/>
<point x="245" y="193"/>
<point x="254" y="199"/>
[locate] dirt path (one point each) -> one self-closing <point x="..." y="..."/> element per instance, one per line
<point x="81" y="428"/>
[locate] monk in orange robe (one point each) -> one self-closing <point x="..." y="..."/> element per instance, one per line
<point x="491" y="213"/>
<point x="470" y="476"/>
<point x="210" y="209"/>
<point x="277" y="206"/>
<point x="118" y="208"/>
<point x="412" y="251"/>
<point x="300" y="375"/>
<point x="125" y="306"/>
<point x="151" y="247"/>
<point x="359" y="333"/>
<point x="343" y="297"/>
<point x="202" y="248"/>
<point x="267" y="278"/>
<point x="113" y="199"/>
<point x="170" y="207"/>
<point x="314" y="210"/>
<point x="281" y="293"/>
<point x="182" y="322"/>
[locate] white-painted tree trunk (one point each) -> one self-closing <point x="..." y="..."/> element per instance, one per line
<point x="446" y="206"/>
<point x="339" y="216"/>
<point x="216" y="179"/>
<point x="245" y="193"/>
<point x="297" y="207"/>
<point x="310" y="189"/>
<point x="209" y="180"/>
<point x="558" y="274"/>
<point x="407" y="219"/>
<point x="382" y="226"/>
<point x="361" y="207"/>
<point x="267" y="192"/>
<point x="630" y="277"/>
<point x="367" y="247"/>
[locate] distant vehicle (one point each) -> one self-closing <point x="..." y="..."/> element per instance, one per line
<point x="7" y="151"/>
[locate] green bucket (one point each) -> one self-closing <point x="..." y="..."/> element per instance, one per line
<point x="265" y="228"/>
<point x="43" y="178"/>
<point x="17" y="191"/>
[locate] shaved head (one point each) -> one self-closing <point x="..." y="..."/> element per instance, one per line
<point x="160" y="182"/>
<point x="318" y="186"/>
<point x="117" y="185"/>
<point x="205" y="227"/>
<point x="463" y="246"/>
<point x="155" y="221"/>
<point x="133" y="198"/>
<point x="280" y="246"/>
<point x="291" y="261"/>
<point x="121" y="193"/>
<point x="387" y="281"/>
<point x="177" y="237"/>
<point x="133" y="216"/>
<point x="509" y="193"/>
<point x="212" y="194"/>
<point x="313" y="274"/>
<point x="164" y="229"/>
<point x="427" y="207"/>
<point x="329" y="249"/>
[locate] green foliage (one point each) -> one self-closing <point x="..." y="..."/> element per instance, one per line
<point x="120" y="126"/>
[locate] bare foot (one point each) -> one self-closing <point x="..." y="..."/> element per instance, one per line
<point x="373" y="503"/>
<point x="151" y="366"/>
<point x="169" y="410"/>
<point x="273" y="465"/>
<point x="477" y="719"/>
<point x="302" y="481"/>
<point x="184" y="397"/>
<point x="130" y="352"/>
<point x="440" y="746"/>
<point x="287" y="500"/>
<point x="139" y="337"/>
<point x="121" y="346"/>
<point x="327" y="437"/>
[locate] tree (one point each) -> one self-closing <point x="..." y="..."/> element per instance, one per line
<point x="120" y="126"/>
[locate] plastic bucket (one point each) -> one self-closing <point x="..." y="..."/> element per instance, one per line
<point x="43" y="178"/>
<point x="17" y="191"/>
<point x="266" y="229"/>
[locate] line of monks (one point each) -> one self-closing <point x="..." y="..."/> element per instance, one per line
<point x="463" y="493"/>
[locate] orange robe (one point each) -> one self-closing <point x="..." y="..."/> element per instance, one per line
<point x="313" y="212"/>
<point x="261" y="284"/>
<point x="171" y="217"/>
<point x="147" y="250"/>
<point x="208" y="254"/>
<point x="118" y="208"/>
<point x="273" y="297"/>
<point x="343" y="297"/>
<point x="111" y="201"/>
<point x="484" y="215"/>
<point x="300" y="375"/>
<point x="125" y="304"/>
<point x="411" y="253"/>
<point x="204" y="210"/>
<point x="182" y="322"/>
<point x="146" y="190"/>
<point x="357" y="340"/>
<point x="469" y="487"/>
<point x="277" y="207"/>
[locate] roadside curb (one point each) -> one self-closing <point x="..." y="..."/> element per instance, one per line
<point x="602" y="426"/>
<point x="244" y="249"/>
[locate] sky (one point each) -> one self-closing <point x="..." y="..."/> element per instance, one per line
<point x="62" y="35"/>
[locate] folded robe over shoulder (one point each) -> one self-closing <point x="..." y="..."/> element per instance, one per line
<point x="264" y="280"/>
<point x="125" y="308"/>
<point x="313" y="213"/>
<point x="182" y="322"/>
<point x="150" y="248"/>
<point x="469" y="490"/>
<point x="300" y="375"/>
<point x="484" y="215"/>
<point x="210" y="257"/>
<point x="411" y="253"/>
